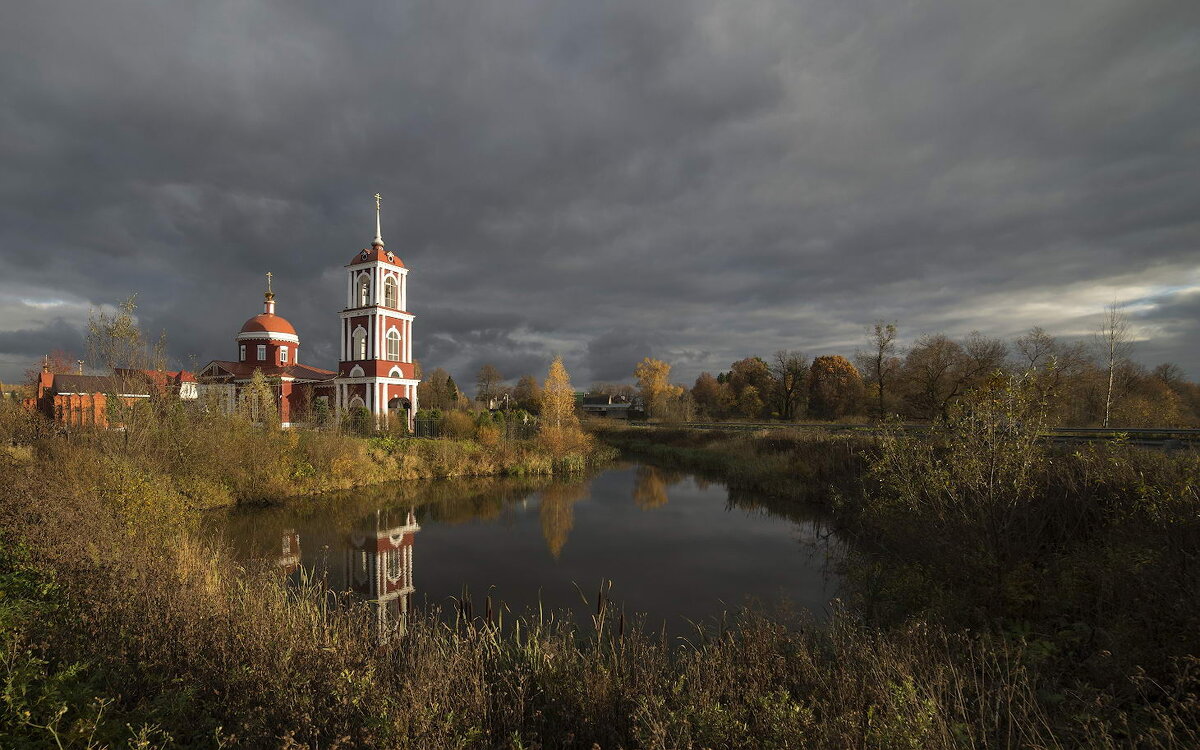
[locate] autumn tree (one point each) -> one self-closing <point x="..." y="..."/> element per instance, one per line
<point x="707" y="394"/>
<point x="528" y="393"/>
<point x="879" y="364"/>
<point x="790" y="371"/>
<point x="486" y="383"/>
<point x="432" y="392"/>
<point x="257" y="401"/>
<point x="654" y="384"/>
<point x="751" y="372"/>
<point x="835" y="388"/>
<point x="750" y="402"/>
<point x="558" y="398"/>
<point x="558" y="428"/>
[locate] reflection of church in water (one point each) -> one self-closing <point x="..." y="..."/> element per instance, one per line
<point x="376" y="564"/>
<point x="379" y="565"/>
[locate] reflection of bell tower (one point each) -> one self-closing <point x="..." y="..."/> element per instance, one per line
<point x="289" y="553"/>
<point x="379" y="565"/>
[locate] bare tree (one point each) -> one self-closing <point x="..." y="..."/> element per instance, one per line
<point x="116" y="341"/>
<point x="485" y="383"/>
<point x="1036" y="348"/>
<point x="878" y="363"/>
<point x="1114" y="342"/>
<point x="789" y="370"/>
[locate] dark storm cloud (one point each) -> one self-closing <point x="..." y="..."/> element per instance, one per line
<point x="698" y="181"/>
<point x="32" y="343"/>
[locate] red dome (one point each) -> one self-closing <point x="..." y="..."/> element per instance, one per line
<point x="376" y="252"/>
<point x="269" y="323"/>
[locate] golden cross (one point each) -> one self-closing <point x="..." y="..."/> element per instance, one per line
<point x="269" y="281"/>
<point x="378" y="198"/>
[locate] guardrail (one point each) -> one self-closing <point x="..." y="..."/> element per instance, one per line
<point x="1168" y="437"/>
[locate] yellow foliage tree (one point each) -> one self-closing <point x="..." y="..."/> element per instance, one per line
<point x="654" y="381"/>
<point x="559" y="426"/>
<point x="558" y="398"/>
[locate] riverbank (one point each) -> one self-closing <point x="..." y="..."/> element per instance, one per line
<point x="1083" y="559"/>
<point x="120" y="623"/>
<point x="776" y="468"/>
<point x="209" y="462"/>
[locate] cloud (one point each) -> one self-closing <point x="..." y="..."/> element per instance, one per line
<point x="697" y="181"/>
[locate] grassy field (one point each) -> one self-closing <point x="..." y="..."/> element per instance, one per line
<point x="1001" y="596"/>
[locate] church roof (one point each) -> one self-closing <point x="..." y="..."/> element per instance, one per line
<point x="375" y="253"/>
<point x="244" y="370"/>
<point x="124" y="386"/>
<point x="269" y="323"/>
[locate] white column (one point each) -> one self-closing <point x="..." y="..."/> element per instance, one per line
<point x="350" y="289"/>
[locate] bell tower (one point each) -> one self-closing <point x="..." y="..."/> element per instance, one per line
<point x="375" y="371"/>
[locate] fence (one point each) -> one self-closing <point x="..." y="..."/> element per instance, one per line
<point x="436" y="428"/>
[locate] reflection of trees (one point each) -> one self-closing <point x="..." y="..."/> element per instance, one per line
<point x="557" y="512"/>
<point x="650" y="488"/>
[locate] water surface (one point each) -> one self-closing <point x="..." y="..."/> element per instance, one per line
<point x="675" y="547"/>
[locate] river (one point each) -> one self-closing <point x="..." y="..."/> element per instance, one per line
<point x="676" y="548"/>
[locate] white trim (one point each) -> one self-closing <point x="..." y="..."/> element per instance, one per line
<point x="360" y="265"/>
<point x="360" y="374"/>
<point x="102" y="393"/>
<point x="396" y="372"/>
<point x="358" y="312"/>
<point x="373" y="379"/>
<point x="269" y="335"/>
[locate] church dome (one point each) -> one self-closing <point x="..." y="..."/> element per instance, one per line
<point x="268" y="323"/>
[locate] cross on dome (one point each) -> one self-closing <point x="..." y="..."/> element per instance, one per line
<point x="378" y="242"/>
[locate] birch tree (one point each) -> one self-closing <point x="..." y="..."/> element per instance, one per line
<point x="1114" y="342"/>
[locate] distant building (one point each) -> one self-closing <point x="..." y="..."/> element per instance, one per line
<point x="605" y="407"/>
<point x="83" y="400"/>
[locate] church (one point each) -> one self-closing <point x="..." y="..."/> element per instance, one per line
<point x="375" y="370"/>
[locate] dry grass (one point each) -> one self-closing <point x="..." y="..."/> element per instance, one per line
<point x="120" y="626"/>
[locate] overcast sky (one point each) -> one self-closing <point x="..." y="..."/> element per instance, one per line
<point x="697" y="181"/>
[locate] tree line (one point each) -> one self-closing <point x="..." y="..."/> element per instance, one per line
<point x="1082" y="383"/>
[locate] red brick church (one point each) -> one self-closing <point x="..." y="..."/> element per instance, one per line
<point x="375" y="370"/>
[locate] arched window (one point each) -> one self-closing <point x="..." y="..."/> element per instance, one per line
<point x="364" y="290"/>
<point x="393" y="565"/>
<point x="360" y="344"/>
<point x="393" y="345"/>
<point x="391" y="292"/>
